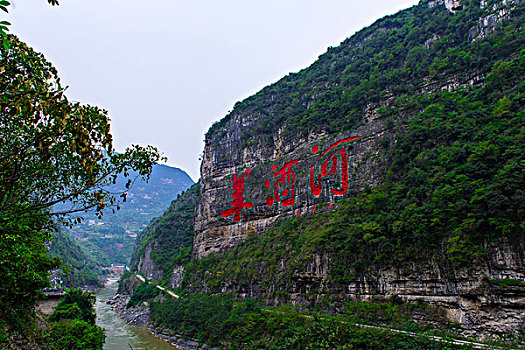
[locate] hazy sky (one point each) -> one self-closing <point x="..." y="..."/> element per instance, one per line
<point x="167" y="69"/>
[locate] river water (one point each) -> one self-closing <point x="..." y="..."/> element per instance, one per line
<point x="119" y="334"/>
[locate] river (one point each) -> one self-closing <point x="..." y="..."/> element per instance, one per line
<point x="120" y="335"/>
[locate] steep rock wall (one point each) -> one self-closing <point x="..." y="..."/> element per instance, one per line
<point x="216" y="233"/>
<point x="486" y="299"/>
<point x="248" y="181"/>
<point x="147" y="266"/>
<point x="243" y="190"/>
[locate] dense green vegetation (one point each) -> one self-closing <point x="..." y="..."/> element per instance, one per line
<point x="171" y="234"/>
<point x="74" y="334"/>
<point x="75" y="301"/>
<point x="72" y="324"/>
<point x="454" y="185"/>
<point x="222" y="321"/>
<point x="24" y="268"/>
<point x="79" y="268"/>
<point x="145" y="292"/>
<point x="398" y="54"/>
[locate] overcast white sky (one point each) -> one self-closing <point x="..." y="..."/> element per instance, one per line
<point x="167" y="69"/>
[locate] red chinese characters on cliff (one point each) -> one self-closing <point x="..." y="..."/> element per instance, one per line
<point x="332" y="165"/>
<point x="334" y="160"/>
<point x="285" y="178"/>
<point x="238" y="203"/>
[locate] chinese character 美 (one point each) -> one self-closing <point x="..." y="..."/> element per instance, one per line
<point x="238" y="203"/>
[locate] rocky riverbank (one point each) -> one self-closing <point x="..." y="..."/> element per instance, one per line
<point x="136" y="316"/>
<point x="140" y="316"/>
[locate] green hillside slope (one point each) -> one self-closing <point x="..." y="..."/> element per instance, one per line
<point x="169" y="236"/>
<point x="79" y="268"/>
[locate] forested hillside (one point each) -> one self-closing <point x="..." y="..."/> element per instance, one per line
<point x="51" y="151"/>
<point x="78" y="269"/>
<point x="168" y="240"/>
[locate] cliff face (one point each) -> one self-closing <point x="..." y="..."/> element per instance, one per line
<point x="286" y="178"/>
<point x="281" y="152"/>
<point x="147" y="266"/>
<point x="327" y="133"/>
<point x="485" y="300"/>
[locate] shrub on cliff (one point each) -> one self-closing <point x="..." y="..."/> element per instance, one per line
<point x="145" y="292"/>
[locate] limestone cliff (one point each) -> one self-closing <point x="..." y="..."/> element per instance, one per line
<point x="266" y="143"/>
<point x="335" y="131"/>
<point x="485" y="300"/>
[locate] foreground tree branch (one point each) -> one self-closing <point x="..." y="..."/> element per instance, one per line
<point x="53" y="150"/>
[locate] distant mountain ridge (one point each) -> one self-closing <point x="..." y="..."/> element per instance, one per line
<point x="151" y="198"/>
<point x="110" y="240"/>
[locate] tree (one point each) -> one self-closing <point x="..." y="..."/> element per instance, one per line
<point x="75" y="304"/>
<point x="53" y="151"/>
<point x="24" y="270"/>
<point x="73" y="324"/>
<point x="75" y="335"/>
<point x="56" y="158"/>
